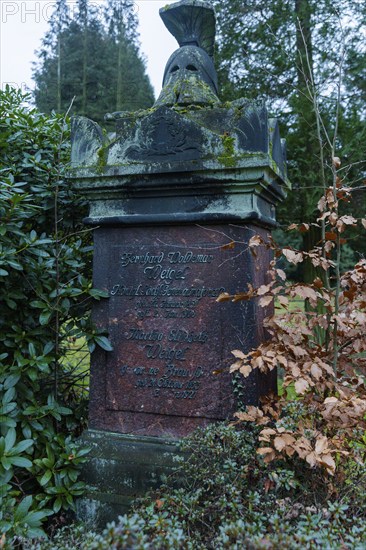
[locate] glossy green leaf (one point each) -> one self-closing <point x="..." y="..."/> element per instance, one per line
<point x="104" y="343"/>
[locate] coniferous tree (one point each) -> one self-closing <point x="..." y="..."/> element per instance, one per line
<point x="290" y="52"/>
<point x="94" y="60"/>
<point x="51" y="58"/>
<point x="133" y="89"/>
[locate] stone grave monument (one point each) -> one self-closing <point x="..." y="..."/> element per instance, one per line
<point x="175" y="196"/>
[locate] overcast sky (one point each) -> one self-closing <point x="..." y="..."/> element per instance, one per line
<point x="24" y="22"/>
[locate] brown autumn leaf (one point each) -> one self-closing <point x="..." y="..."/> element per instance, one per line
<point x="265" y="434"/>
<point x="235" y="366"/>
<point x="318" y="283"/>
<point x="304" y="227"/>
<point x="281" y="274"/>
<point x="252" y="414"/>
<point x="256" y="240"/>
<point x="301" y="385"/>
<point x="329" y="246"/>
<point x="268" y="485"/>
<point x="223" y="297"/>
<point x="265" y="301"/>
<point x="265" y="451"/>
<point x="363" y="223"/>
<point x="348" y="220"/>
<point x="336" y="162"/>
<point x="321" y="204"/>
<point x="279" y="443"/>
<point x="238" y="354"/>
<point x="264" y="289"/>
<point x="228" y="246"/>
<point x="328" y="462"/>
<point x="283" y="301"/>
<point x="306" y="292"/>
<point x="316" y="371"/>
<point x="282" y="360"/>
<point x="245" y="370"/>
<point x="311" y="459"/>
<point x="241" y="296"/>
<point x="331" y="236"/>
<point x="333" y="218"/>
<point x="321" y="444"/>
<point x="292" y="256"/>
<point x="290" y="440"/>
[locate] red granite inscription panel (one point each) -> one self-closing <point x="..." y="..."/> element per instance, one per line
<point x="165" y="327"/>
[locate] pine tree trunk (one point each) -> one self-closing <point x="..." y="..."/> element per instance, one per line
<point x="119" y="74"/>
<point x="308" y="134"/>
<point x="59" y="73"/>
<point x="85" y="66"/>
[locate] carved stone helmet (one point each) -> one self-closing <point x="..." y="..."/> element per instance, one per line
<point x="187" y="60"/>
<point x="190" y="76"/>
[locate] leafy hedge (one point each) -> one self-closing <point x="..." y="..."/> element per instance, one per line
<point x="229" y="498"/>
<point x="45" y="297"/>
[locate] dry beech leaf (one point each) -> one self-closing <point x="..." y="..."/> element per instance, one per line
<point x="311" y="459"/>
<point x="348" y="220"/>
<point x="255" y="241"/>
<point x="252" y="414"/>
<point x="224" y="297"/>
<point x="321" y="204"/>
<point x="268" y="485"/>
<point x="245" y="370"/>
<point x="281" y="359"/>
<point x="235" y="366"/>
<point x="328" y="462"/>
<point x="228" y="246"/>
<point x="263" y="289"/>
<point x="265" y="451"/>
<point x="279" y="443"/>
<point x="266" y="433"/>
<point x="330" y="400"/>
<point x="306" y="292"/>
<point x="316" y="371"/>
<point x="336" y="162"/>
<point x="292" y="256"/>
<point x="283" y="300"/>
<point x="265" y="301"/>
<point x="363" y="223"/>
<point x="331" y="236"/>
<point x="321" y="444"/>
<point x="159" y="504"/>
<point x="238" y="354"/>
<point x="301" y="385"/>
<point x="281" y="274"/>
<point x="318" y="283"/>
<point x="304" y="227"/>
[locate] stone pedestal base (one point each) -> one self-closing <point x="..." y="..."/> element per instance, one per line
<point x="120" y="468"/>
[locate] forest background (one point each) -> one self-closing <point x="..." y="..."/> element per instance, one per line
<point x="265" y="50"/>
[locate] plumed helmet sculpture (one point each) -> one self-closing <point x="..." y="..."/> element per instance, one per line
<point x="190" y="76"/>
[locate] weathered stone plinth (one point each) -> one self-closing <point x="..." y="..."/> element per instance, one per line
<point x="121" y="467"/>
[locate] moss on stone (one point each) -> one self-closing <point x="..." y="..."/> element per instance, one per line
<point x="102" y="154"/>
<point x="228" y="158"/>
